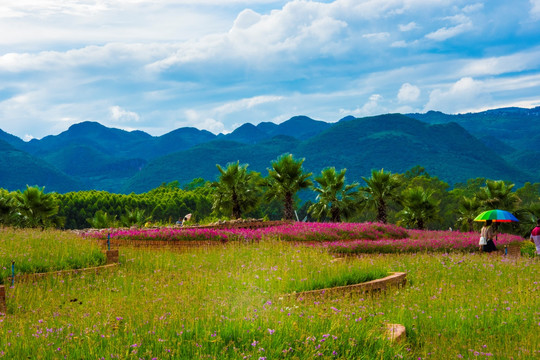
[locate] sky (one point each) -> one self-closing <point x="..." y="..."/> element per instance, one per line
<point x="158" y="65"/>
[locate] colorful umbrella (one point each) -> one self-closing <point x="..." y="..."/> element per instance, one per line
<point x="496" y="216"/>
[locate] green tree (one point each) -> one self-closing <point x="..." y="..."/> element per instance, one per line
<point x="419" y="207"/>
<point x="334" y="199"/>
<point x="284" y="180"/>
<point x="498" y="195"/>
<point x="529" y="194"/>
<point x="381" y="188"/>
<point x="6" y="207"/>
<point x="102" y="220"/>
<point x="34" y="208"/>
<point x="419" y="177"/>
<point x="135" y="217"/>
<point x="468" y="209"/>
<point x="237" y="189"/>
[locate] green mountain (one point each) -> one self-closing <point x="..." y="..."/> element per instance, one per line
<point x="515" y="127"/>
<point x="91" y="134"/>
<point x="510" y="132"/>
<point x="18" y="169"/>
<point x="496" y="144"/>
<point x="394" y="142"/>
<point x="201" y="160"/>
<point x="11" y="139"/>
<point x="299" y="127"/>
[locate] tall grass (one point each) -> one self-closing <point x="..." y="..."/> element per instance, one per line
<point x="206" y="303"/>
<point x="43" y="251"/>
<point x="224" y="303"/>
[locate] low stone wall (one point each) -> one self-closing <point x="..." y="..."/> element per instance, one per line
<point x="112" y="261"/>
<point x="32" y="277"/>
<point x="241" y="224"/>
<point x="395" y="279"/>
<point x="116" y="243"/>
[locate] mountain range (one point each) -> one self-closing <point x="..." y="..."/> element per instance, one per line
<point x="495" y="144"/>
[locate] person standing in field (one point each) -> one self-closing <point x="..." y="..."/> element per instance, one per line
<point x="535" y="236"/>
<point x="488" y="232"/>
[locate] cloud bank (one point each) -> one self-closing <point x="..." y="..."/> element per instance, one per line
<point x="214" y="65"/>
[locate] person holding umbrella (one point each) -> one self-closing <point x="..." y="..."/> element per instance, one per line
<point x="535" y="236"/>
<point x="487" y="233"/>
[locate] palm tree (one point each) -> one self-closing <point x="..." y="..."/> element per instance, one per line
<point x="237" y="189"/>
<point x="420" y="207"/>
<point x="135" y="217"/>
<point x="527" y="218"/>
<point x="102" y="220"/>
<point x="468" y="209"/>
<point x="335" y="199"/>
<point x="6" y="207"/>
<point x="284" y="180"/>
<point x="498" y="195"/>
<point x="381" y="188"/>
<point x="35" y="208"/>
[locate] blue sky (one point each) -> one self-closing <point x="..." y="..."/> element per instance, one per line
<point x="157" y="65"/>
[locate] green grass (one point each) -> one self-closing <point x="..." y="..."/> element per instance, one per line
<point x="528" y="249"/>
<point x="224" y="303"/>
<point x="44" y="251"/>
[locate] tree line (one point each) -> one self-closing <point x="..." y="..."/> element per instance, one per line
<point x="414" y="199"/>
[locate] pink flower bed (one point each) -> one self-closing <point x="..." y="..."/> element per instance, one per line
<point x="419" y="241"/>
<point x="166" y="234"/>
<point x="347" y="238"/>
<point x="300" y="232"/>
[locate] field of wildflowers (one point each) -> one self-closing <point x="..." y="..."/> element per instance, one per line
<point x="344" y="238"/>
<point x="224" y="303"/>
<point x="296" y="232"/>
<point x="420" y="241"/>
<point x="44" y="251"/>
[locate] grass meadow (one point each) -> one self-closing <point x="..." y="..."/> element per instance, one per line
<point x="224" y="302"/>
<point x="44" y="251"/>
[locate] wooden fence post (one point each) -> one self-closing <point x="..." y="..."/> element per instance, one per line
<point x="3" y="307"/>
<point x="112" y="256"/>
<point x="514" y="250"/>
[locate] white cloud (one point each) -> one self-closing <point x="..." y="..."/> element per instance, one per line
<point x="521" y="61"/>
<point x="473" y="8"/>
<point x="258" y="60"/>
<point x="408" y="93"/>
<point x="399" y="44"/>
<point x="98" y="56"/>
<point x="463" y="24"/>
<point x="200" y="121"/>
<point x="246" y="19"/>
<point x="535" y="9"/>
<point x="123" y="116"/>
<point x="408" y="27"/>
<point x="371" y="107"/>
<point x="464" y="95"/>
<point x="377" y="36"/>
<point x="245" y="104"/>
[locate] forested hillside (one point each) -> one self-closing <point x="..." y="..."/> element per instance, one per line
<point x="495" y="144"/>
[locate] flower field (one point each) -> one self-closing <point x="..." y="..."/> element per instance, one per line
<point x="419" y="241"/>
<point x="44" y="251"/>
<point x="296" y="232"/>
<point x="344" y="238"/>
<point x="226" y="303"/>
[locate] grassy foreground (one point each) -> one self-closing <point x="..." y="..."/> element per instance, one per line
<point x="221" y="303"/>
<point x="43" y="251"/>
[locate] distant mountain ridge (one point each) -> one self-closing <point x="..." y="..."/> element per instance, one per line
<point x="491" y="144"/>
